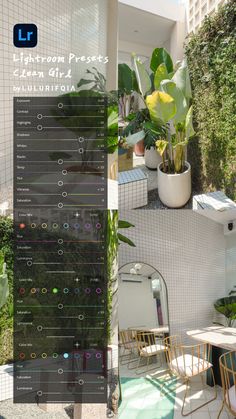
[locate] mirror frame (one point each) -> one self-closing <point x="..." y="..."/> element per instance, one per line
<point x="156" y="270"/>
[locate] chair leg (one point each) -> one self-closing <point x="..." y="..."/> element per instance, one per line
<point x="185" y="396"/>
<point x="221" y="410"/>
<point x="171" y="375"/>
<point x="202" y="405"/>
<point x="125" y="357"/>
<point x="139" y="362"/>
<point x="158" y="357"/>
<point x="132" y="361"/>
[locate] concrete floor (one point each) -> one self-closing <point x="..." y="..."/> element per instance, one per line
<point x="196" y="395"/>
<point x="9" y="410"/>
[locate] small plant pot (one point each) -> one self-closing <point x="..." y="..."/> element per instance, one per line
<point x="139" y="148"/>
<point x="152" y="158"/>
<point x="174" y="189"/>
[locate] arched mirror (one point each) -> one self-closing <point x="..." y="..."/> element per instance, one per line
<point x="143" y="298"/>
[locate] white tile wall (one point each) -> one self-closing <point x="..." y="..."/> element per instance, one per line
<point x="133" y="189"/>
<point x="6" y="382"/>
<point x="230" y="261"/>
<point x="189" y="251"/>
<point x="133" y="195"/>
<point x="77" y="26"/>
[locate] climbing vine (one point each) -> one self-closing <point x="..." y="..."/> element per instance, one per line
<point x="211" y="55"/>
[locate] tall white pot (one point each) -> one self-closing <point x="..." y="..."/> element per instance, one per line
<point x="174" y="190"/>
<point x="152" y="158"/>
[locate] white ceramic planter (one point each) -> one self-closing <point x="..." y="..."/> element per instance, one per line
<point x="6" y="382"/>
<point x="152" y="158"/>
<point x="174" y="190"/>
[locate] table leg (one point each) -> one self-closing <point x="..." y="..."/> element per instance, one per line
<point x="214" y="359"/>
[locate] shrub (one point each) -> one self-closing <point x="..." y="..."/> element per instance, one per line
<point x="6" y="312"/>
<point x="211" y="55"/>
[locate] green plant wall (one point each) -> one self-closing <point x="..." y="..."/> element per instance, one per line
<point x="211" y="55"/>
<point x="6" y="312"/>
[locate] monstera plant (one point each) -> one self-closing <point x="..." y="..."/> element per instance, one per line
<point x="166" y="94"/>
<point x="227" y="307"/>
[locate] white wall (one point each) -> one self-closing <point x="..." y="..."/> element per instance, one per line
<point x="177" y="40"/>
<point x="169" y="9"/>
<point x="126" y="48"/>
<point x="230" y="262"/>
<point x="189" y="251"/>
<point x="78" y="26"/>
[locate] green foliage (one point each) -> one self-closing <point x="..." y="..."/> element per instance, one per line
<point x="162" y="107"/>
<point x="112" y="129"/>
<point x="211" y="55"/>
<point x="127" y="81"/>
<point x="143" y="78"/>
<point x="160" y="56"/>
<point x="6" y="312"/>
<point x="114" y="238"/>
<point x="160" y="74"/>
<point x="166" y="92"/>
<point x="227" y="307"/>
<point x="4" y="287"/>
<point x="97" y="83"/>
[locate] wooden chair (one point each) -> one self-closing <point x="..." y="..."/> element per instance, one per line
<point x="148" y="346"/>
<point x="228" y="378"/>
<point x="127" y="344"/>
<point x="186" y="362"/>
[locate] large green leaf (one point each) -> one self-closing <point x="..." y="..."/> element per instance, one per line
<point x="133" y="139"/>
<point x="161" y="106"/>
<point x="168" y="86"/>
<point x="82" y="82"/>
<point x="226" y="306"/>
<point x="160" y="74"/>
<point x="179" y="157"/>
<point x="124" y="224"/>
<point x="142" y="76"/>
<point x="182" y="79"/>
<point x="112" y="121"/>
<point x="161" y="146"/>
<point x="189" y="131"/>
<point x="135" y="86"/>
<point x="4" y="287"/>
<point x="159" y="56"/>
<point x="125" y="240"/>
<point x="125" y="78"/>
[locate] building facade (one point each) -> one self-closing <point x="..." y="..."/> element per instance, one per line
<point x="197" y="10"/>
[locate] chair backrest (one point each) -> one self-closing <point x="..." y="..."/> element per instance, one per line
<point x="126" y="336"/>
<point x="173" y="345"/>
<point x="145" y="339"/>
<point x="186" y="360"/>
<point x="228" y="377"/>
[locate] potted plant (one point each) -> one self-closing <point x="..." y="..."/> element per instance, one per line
<point x="141" y="128"/>
<point x="151" y="154"/>
<point x="169" y="103"/>
<point x="227" y="307"/>
<point x="166" y="93"/>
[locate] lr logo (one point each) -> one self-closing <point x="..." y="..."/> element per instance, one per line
<point x="25" y="35"/>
